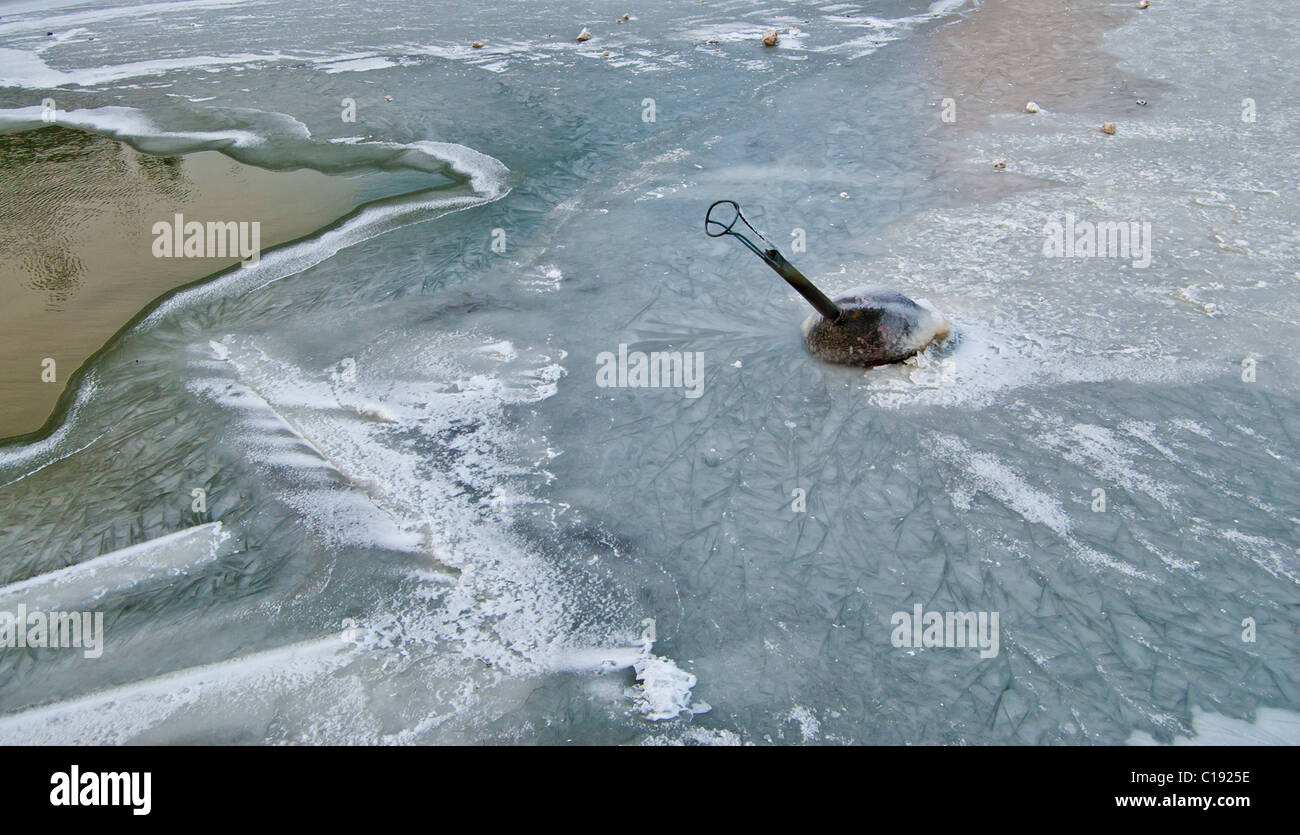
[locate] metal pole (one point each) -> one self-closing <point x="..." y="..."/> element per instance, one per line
<point x="805" y="288"/>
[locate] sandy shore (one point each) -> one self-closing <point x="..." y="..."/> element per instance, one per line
<point x="77" y="262"/>
<point x="1008" y="53"/>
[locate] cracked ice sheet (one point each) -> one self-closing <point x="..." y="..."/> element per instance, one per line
<point x="378" y="429"/>
<point x="690" y="501"/>
<point x="969" y="484"/>
<point x="412" y="454"/>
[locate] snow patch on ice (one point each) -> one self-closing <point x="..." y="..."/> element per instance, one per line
<point x="546" y="279"/>
<point x="1265" y="553"/>
<point x="1105" y="453"/>
<point x="986" y="474"/>
<point x="1272" y="726"/>
<point x="437" y="476"/>
<point x="358" y="64"/>
<point x="809" y="727"/>
<point x="991" y="476"/>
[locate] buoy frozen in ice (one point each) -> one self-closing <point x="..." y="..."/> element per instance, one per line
<point x="866" y="327"/>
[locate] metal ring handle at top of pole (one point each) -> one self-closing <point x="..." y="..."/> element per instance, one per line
<point x="727" y="228"/>
<point x="771" y="256"/>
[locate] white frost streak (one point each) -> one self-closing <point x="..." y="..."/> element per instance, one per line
<point x="986" y="474"/>
<point x="504" y="605"/>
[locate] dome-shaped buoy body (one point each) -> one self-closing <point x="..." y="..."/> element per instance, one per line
<point x="877" y="326"/>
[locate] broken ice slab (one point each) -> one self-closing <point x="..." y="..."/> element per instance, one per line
<point x="147" y="562"/>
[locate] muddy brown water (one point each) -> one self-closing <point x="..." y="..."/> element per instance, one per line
<point x="77" y="262"/>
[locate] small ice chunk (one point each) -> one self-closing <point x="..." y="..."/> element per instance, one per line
<point x="664" y="689"/>
<point x="375" y="412"/>
<point x="502" y="351"/>
<point x="809" y="726"/>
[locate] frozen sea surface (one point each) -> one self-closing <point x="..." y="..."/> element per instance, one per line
<point x="434" y="525"/>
